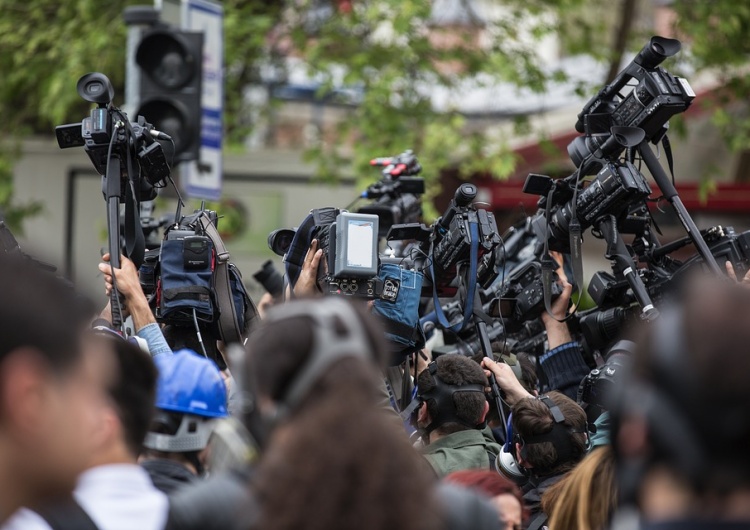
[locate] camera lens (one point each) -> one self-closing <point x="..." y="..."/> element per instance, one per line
<point x="280" y="240"/>
<point x="270" y="279"/>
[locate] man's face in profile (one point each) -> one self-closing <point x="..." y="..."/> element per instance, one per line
<point x="59" y="422"/>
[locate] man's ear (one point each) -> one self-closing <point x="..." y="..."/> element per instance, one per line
<point x="423" y="418"/>
<point x="22" y="392"/>
<point x="521" y="462"/>
<point x="484" y="412"/>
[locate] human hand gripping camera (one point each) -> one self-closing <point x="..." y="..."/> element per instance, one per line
<point x="129" y="286"/>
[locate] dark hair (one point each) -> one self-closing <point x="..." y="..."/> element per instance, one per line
<point x="532" y="417"/>
<point x="529" y="379"/>
<point x="489" y="483"/>
<point x="40" y="311"/>
<point x="338" y="461"/>
<point x="133" y="392"/>
<point x="456" y="370"/>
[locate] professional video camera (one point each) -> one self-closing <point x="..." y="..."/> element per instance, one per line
<point x="108" y="137"/>
<point x="463" y="235"/>
<point x="615" y="189"/>
<point x="350" y="250"/>
<point x="521" y="297"/>
<point x="614" y="202"/>
<point x="396" y="197"/>
<point x="616" y="306"/>
<point x="129" y="160"/>
<point x="656" y="97"/>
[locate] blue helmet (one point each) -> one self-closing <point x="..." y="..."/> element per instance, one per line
<point x="190" y="384"/>
<point x="192" y="387"/>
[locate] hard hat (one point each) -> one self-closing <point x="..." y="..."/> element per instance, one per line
<point x="190" y="393"/>
<point x="190" y="384"/>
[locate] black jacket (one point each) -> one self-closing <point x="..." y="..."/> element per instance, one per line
<point x="168" y="476"/>
<point x="533" y="491"/>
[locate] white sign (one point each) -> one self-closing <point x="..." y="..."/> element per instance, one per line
<point x="202" y="179"/>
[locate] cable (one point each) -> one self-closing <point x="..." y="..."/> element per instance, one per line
<point x="200" y="337"/>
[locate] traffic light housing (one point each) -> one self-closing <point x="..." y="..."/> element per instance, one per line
<point x="171" y="62"/>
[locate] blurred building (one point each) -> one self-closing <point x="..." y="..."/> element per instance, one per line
<point x="270" y="185"/>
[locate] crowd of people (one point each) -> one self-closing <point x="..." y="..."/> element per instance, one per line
<point x="301" y="429"/>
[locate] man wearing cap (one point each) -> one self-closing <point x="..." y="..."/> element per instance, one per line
<point x="190" y="395"/>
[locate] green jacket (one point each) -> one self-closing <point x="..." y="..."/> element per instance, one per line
<point x="461" y="450"/>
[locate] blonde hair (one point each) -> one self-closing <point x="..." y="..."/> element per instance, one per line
<point x="586" y="498"/>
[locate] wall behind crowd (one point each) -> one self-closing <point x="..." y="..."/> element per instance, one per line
<point x="272" y="189"/>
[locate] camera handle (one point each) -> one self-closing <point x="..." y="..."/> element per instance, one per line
<point x="112" y="192"/>
<point x="486" y="346"/>
<point x="670" y="193"/>
<point x="618" y="253"/>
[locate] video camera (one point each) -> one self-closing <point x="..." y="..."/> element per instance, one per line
<point x="657" y="96"/>
<point x="521" y="297"/>
<point x="617" y="186"/>
<point x="349" y="242"/>
<point x="396" y="197"/>
<point x="107" y="132"/>
<point x="130" y="161"/>
<point x="450" y="242"/>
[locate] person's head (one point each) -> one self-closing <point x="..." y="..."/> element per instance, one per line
<point x="336" y="459"/>
<point x="301" y="348"/>
<point x="586" y="498"/>
<point x="681" y="424"/>
<point x="131" y="389"/>
<point x="550" y="433"/>
<point x="190" y="395"/>
<point x="452" y="388"/>
<point x="506" y="497"/>
<point x="50" y="395"/>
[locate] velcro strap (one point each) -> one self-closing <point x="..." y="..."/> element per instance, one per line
<point x="180" y="293"/>
<point x="400" y="329"/>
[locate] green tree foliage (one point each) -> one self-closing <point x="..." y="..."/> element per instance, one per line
<point x="385" y="49"/>
<point x="717" y="35"/>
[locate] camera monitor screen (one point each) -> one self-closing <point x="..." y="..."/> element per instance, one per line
<point x="356" y="245"/>
<point x="359" y="250"/>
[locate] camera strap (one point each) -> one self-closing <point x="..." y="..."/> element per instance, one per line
<point x="229" y="327"/>
<point x="135" y="243"/>
<point x="549" y="265"/>
<point x="472" y="284"/>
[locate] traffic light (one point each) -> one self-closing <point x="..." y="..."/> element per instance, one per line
<point x="170" y="62"/>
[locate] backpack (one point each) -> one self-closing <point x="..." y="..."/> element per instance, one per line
<point x="194" y="281"/>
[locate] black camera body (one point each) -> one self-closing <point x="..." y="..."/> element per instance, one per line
<point x="452" y="240"/>
<point x="612" y="192"/>
<point x="521" y="297"/>
<point x="658" y="96"/>
<point x="397" y="196"/>
<point x="128" y="141"/>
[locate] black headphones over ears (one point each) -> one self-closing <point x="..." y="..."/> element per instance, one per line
<point x="559" y="436"/>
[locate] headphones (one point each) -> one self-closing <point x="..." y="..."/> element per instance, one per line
<point x="559" y="436"/>
<point x="328" y="347"/>
<point x="442" y="395"/>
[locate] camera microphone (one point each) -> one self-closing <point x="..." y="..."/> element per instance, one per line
<point x="159" y="135"/>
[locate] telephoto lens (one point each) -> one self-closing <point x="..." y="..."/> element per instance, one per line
<point x="270" y="279"/>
